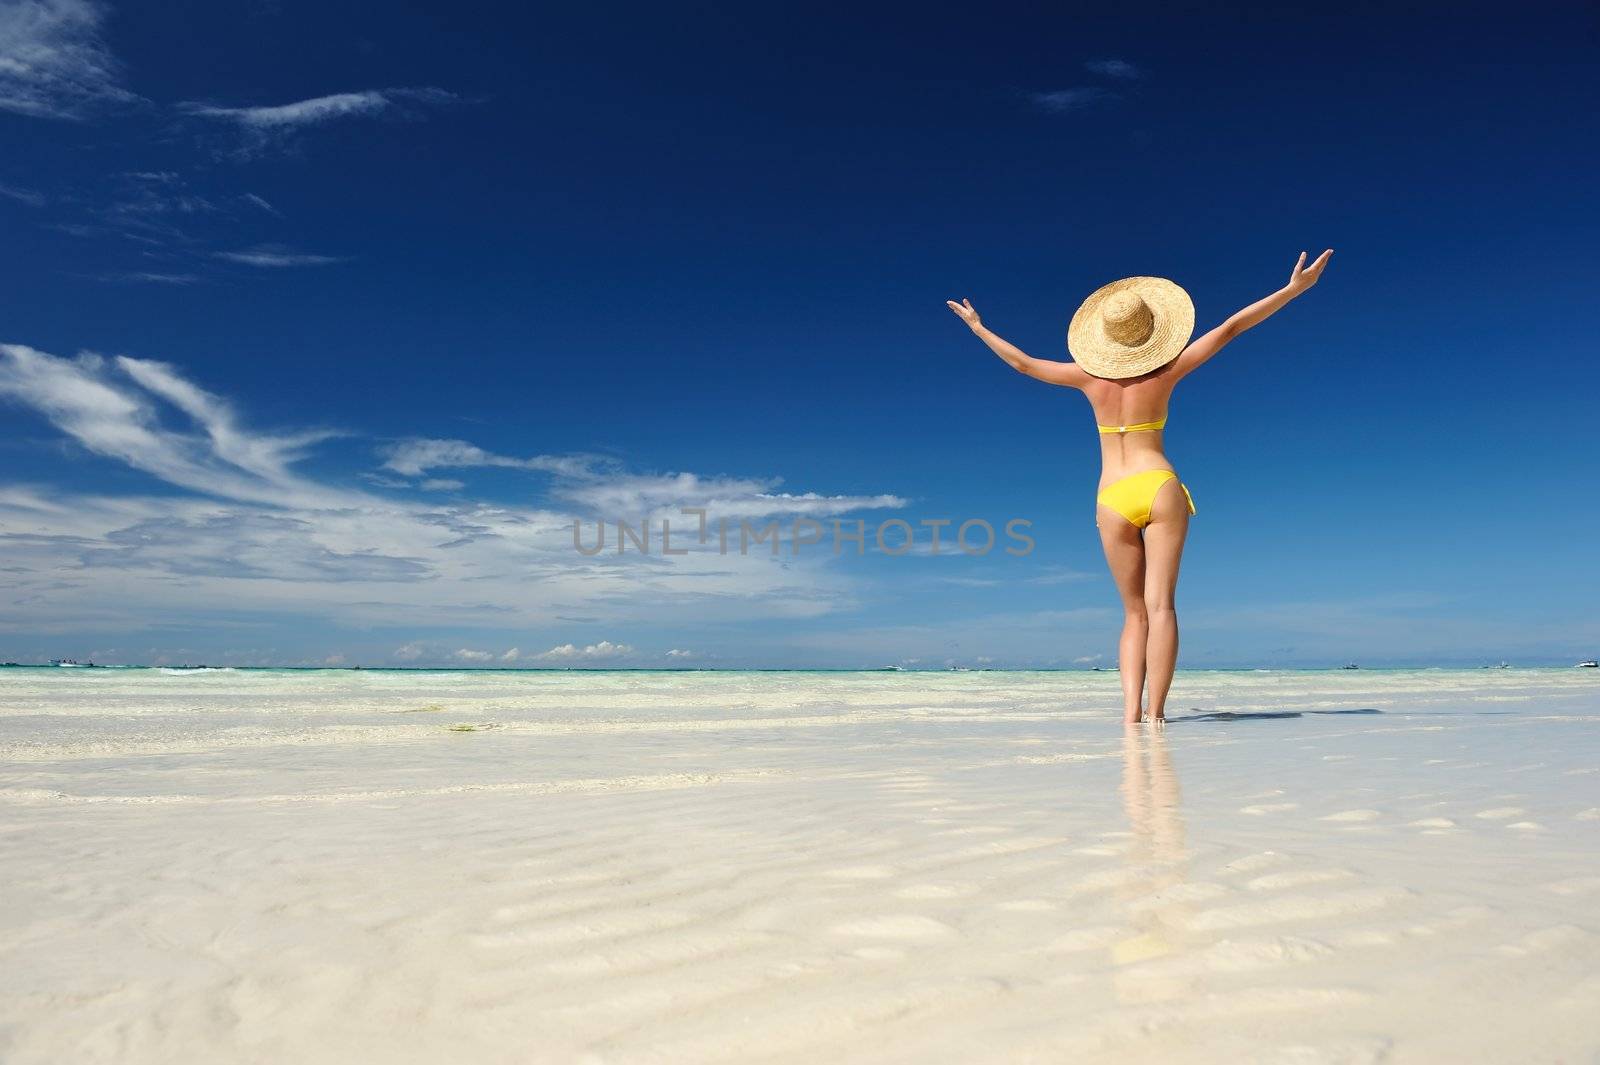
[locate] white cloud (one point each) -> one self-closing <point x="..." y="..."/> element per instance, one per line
<point x="1114" y="68"/>
<point x="236" y="527"/>
<point x="1063" y="100"/>
<point x="153" y="208"/>
<point x="108" y="406"/>
<point x="274" y="256"/>
<point x="151" y="277"/>
<point x="677" y="653"/>
<point x="263" y="126"/>
<point x="441" y="484"/>
<point x="603" y="649"/>
<point x="320" y="108"/>
<point x="408" y="653"/>
<point x="630" y="497"/>
<point x="256" y="201"/>
<point x="53" y="61"/>
<point x="511" y="655"/>
<point x="164" y="193"/>
<point x="257" y="455"/>
<point x="466" y="654"/>
<point x="418" y="455"/>
<point x="21" y="195"/>
<point x="305" y="112"/>
<point x="1060" y="575"/>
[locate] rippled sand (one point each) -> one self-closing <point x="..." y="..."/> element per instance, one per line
<point x="479" y="867"/>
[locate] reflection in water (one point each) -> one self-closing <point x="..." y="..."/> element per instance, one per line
<point x="1267" y="715"/>
<point x="1158" y="857"/>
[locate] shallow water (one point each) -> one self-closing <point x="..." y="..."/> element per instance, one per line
<point x="484" y="866"/>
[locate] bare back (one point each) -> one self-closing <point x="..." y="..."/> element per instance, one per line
<point x="1131" y="402"/>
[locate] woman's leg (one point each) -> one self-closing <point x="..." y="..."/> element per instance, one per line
<point x="1163" y="551"/>
<point x="1125" y="556"/>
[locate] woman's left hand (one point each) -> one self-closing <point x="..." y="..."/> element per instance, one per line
<point x="966" y="312"/>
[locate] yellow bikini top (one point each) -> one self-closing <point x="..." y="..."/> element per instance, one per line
<point x="1142" y="427"/>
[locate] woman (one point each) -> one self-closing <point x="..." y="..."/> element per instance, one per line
<point x="1130" y="344"/>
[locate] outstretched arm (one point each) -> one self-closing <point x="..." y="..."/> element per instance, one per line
<point x="1055" y="373"/>
<point x="1301" y="279"/>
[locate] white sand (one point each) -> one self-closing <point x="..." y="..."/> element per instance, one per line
<point x="311" y="867"/>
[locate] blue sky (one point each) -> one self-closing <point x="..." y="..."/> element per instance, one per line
<point x="326" y="323"/>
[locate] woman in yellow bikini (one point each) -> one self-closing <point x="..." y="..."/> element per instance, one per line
<point x="1130" y="343"/>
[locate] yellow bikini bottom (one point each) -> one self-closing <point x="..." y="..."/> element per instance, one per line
<point x="1134" y="495"/>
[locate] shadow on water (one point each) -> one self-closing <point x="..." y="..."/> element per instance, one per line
<point x="1266" y="715"/>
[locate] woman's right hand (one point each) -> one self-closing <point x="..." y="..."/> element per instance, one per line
<point x="966" y="312"/>
<point x="1303" y="276"/>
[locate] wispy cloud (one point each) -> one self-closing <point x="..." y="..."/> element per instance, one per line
<point x="1062" y="101"/>
<point x="732" y="498"/>
<point x="151" y="277"/>
<point x="265" y="125"/>
<point x="276" y="256"/>
<point x="1047" y="576"/>
<point x="420" y="455"/>
<point x="236" y="526"/>
<point x="1079" y="97"/>
<point x="593" y="484"/>
<point x="184" y="225"/>
<point x="157" y="207"/>
<point x="1114" y="68"/>
<point x="53" y="60"/>
<point x="108" y="406"/>
<point x="319" y="109"/>
<point x="21" y="195"/>
<point x="256" y="201"/>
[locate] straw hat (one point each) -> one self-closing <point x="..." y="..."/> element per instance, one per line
<point x="1131" y="327"/>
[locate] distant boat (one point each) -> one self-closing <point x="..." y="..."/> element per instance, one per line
<point x="1589" y="663"/>
<point x="1349" y="665"/>
<point x="71" y="663"/>
<point x="1503" y="665"/>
